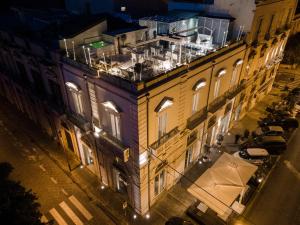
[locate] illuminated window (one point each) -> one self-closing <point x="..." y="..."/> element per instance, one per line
<point x="189" y="156"/>
<point x="76" y="97"/>
<point x="159" y="182"/>
<point x="195" y="105"/>
<point x="112" y="119"/>
<point x="217" y="87"/>
<point x="162" y="124"/>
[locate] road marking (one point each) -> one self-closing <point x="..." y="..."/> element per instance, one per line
<point x="42" y="167"/>
<point x="290" y="166"/>
<point x="53" y="180"/>
<point x="70" y="213"/>
<point x="57" y="217"/>
<point x="80" y="207"/>
<point x="64" y="191"/>
<point x="44" y="219"/>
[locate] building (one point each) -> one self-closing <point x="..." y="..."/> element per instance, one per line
<point x="142" y="100"/>
<point x="134" y="8"/>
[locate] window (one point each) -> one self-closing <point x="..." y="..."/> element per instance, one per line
<point x="69" y="141"/>
<point x="267" y="57"/>
<point x="162" y="124"/>
<point x="234" y="76"/>
<point x="217" y="87"/>
<point x="76" y="96"/>
<point x="189" y="156"/>
<point x="195" y="105"/>
<point x="159" y="182"/>
<point x="197" y="87"/>
<point x="270" y="25"/>
<point x="111" y="120"/>
<point x="258" y="29"/>
<point x="115" y="126"/>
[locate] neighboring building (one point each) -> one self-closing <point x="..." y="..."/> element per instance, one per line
<point x="141" y="101"/>
<point x="134" y="8"/>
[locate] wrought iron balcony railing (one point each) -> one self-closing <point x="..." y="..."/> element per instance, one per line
<point x="164" y="138"/>
<point x="197" y="118"/>
<point x="216" y="104"/>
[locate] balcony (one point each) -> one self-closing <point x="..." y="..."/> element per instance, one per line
<point x="164" y="139"/>
<point x="234" y="91"/>
<point x="217" y="104"/>
<point x="196" y="119"/>
<point x="79" y="121"/>
<point x="112" y="145"/>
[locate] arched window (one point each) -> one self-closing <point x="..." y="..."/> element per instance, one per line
<point x="234" y="75"/>
<point x="111" y="119"/>
<point x="196" y="96"/>
<point x="165" y="103"/>
<point x="76" y="97"/>
<point x="220" y="74"/>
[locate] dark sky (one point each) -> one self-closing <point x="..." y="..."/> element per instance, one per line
<point x="5" y="4"/>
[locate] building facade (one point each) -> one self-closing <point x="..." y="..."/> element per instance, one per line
<point x="140" y="103"/>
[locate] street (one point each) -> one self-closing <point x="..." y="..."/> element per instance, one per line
<point x="60" y="198"/>
<point x="277" y="203"/>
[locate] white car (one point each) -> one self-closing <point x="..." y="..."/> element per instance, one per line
<point x="270" y="131"/>
<point x="256" y="156"/>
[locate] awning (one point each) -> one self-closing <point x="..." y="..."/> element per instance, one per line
<point x="220" y="185"/>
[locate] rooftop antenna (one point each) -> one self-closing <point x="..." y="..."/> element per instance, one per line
<point x="66" y="47"/>
<point x="74" y="54"/>
<point x="242" y="31"/>
<point x="86" y="60"/>
<point x="89" y="52"/>
<point x="104" y="62"/>
<point x="238" y="36"/>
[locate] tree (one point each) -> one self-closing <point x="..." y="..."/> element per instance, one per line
<point x="18" y="206"/>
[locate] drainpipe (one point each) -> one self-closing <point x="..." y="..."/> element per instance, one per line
<point x="149" y="158"/>
<point x="209" y="88"/>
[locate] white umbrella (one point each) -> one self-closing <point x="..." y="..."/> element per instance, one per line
<point x="238" y="171"/>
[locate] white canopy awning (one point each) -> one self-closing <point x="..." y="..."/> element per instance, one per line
<point x="220" y="185"/>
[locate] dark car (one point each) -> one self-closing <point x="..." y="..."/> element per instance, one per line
<point x="296" y="91"/>
<point x="177" y="221"/>
<point x="285" y="122"/>
<point x="275" y="145"/>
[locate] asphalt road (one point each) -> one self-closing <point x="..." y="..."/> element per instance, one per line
<point x="61" y="200"/>
<point x="278" y="201"/>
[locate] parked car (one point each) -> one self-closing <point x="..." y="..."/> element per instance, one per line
<point x="177" y="221"/>
<point x="273" y="144"/>
<point x="256" y="156"/>
<point x="296" y="91"/>
<point x="269" y="131"/>
<point x="285" y="122"/>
